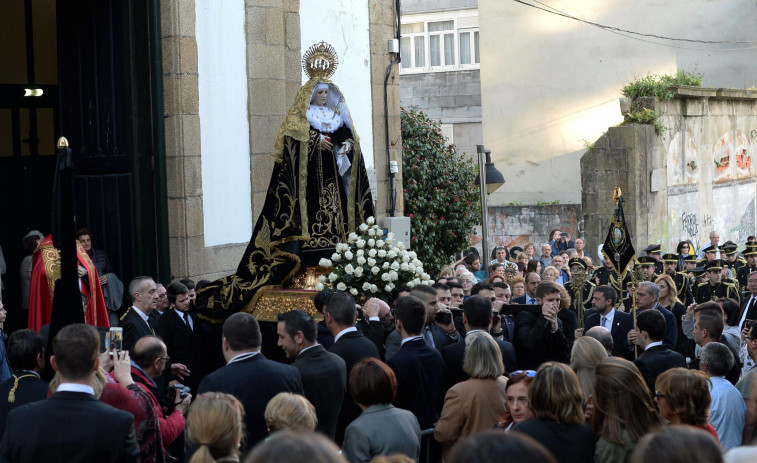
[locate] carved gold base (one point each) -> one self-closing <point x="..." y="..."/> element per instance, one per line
<point x="272" y="302"/>
<point x="298" y="294"/>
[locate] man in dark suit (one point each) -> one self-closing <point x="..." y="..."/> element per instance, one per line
<point x="324" y="335"/>
<point x="182" y="333"/>
<point x="538" y="338"/>
<point x="144" y="297"/>
<point x="477" y="316"/>
<point x="161" y="308"/>
<point x="351" y="346"/>
<point x="324" y="375"/>
<point x="27" y="359"/>
<point x="647" y="297"/>
<point x="69" y="426"/>
<point x="532" y="281"/>
<point x="418" y="367"/>
<point x="708" y="328"/>
<point x="605" y="315"/>
<point x="656" y="357"/>
<point x="248" y="375"/>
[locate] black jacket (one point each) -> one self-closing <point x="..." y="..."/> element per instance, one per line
<point x="30" y="389"/>
<point x="655" y="360"/>
<point x="254" y="381"/>
<point x="535" y="343"/>
<point x="324" y="379"/>
<point x="420" y="372"/>
<point x="134" y="328"/>
<point x="184" y="345"/>
<point x="622" y="323"/>
<point x="71" y="427"/>
<point x="352" y="347"/>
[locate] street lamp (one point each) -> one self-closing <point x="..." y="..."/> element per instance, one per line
<point x="489" y="179"/>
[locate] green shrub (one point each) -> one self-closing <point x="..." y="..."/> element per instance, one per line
<point x="646" y="116"/>
<point x="440" y="193"/>
<point x="659" y="86"/>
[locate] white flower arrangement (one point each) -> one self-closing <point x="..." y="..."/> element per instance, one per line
<point x="389" y="264"/>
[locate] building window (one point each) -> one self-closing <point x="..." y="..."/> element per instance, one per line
<point x="429" y="44"/>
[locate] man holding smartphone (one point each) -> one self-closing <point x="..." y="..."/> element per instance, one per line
<point x="538" y="338"/>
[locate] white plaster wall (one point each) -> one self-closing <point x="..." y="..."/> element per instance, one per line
<point x="224" y="129"/>
<point x="548" y="82"/>
<point x="345" y="25"/>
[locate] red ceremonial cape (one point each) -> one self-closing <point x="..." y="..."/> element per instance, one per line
<point x="45" y="272"/>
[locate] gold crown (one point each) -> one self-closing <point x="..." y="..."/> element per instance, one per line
<point x="320" y="61"/>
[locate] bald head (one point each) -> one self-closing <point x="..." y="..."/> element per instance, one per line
<point x="603" y="335"/>
<point x="150" y="354"/>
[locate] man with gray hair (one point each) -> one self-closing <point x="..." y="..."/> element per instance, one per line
<point x="714" y="241"/>
<point x="727" y="408"/>
<point x="647" y="297"/>
<point x="603" y="335"/>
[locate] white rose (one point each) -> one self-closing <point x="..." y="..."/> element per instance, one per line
<point x="385" y="266"/>
<point x="360" y="253"/>
<point x="404" y="266"/>
<point x="336" y="257"/>
<point x="410" y="284"/>
<point x="371" y="261"/>
<point x="371" y="232"/>
<point x="348" y="255"/>
<point x="360" y="243"/>
<point x="341" y="286"/>
<point x="391" y="254"/>
<point x="366" y="286"/>
<point x="417" y="263"/>
<point x="375" y="270"/>
<point x="406" y="258"/>
<point x="352" y="237"/>
<point x="353" y="291"/>
<point x="372" y="252"/>
<point x="380" y="243"/>
<point x="363" y="227"/>
<point x="322" y="279"/>
<point x="325" y="262"/>
<point x="361" y="260"/>
<point x="390" y="286"/>
<point x="319" y="286"/>
<point x="359" y="270"/>
<point x="349" y="269"/>
<point x="374" y="288"/>
<point x="390" y="236"/>
<point x="395" y="266"/>
<point x="386" y="277"/>
<point x="411" y="267"/>
<point x="394" y="275"/>
<point x="381" y="253"/>
<point x="401" y="245"/>
<point x="332" y="276"/>
<point x="388" y="289"/>
<point x="370" y="220"/>
<point x="426" y="276"/>
<point x="412" y="254"/>
<point x="371" y="242"/>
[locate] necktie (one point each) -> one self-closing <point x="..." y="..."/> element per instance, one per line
<point x="604" y="322"/>
<point x="531" y="300"/>
<point x="186" y="320"/>
<point x="428" y="337"/>
<point x="751" y="305"/>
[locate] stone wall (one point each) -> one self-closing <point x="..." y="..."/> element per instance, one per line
<point x="518" y="225"/>
<point x="697" y="177"/>
<point x="272" y="34"/>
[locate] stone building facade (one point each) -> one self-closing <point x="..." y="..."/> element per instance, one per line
<point x="273" y="39"/>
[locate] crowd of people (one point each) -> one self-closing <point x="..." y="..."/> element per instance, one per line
<point x="538" y="356"/>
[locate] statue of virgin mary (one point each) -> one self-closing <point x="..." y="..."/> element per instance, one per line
<point x="318" y="193"/>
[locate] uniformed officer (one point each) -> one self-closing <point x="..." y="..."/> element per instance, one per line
<point x="750" y="253"/>
<point x="710" y="254"/>
<point x="649" y="267"/>
<point x="683" y="285"/>
<point x="730" y="249"/>
<point x="578" y="265"/>
<point x="654" y="251"/>
<point x="716" y="289"/>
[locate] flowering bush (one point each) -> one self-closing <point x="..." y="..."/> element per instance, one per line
<point x="441" y="195"/>
<point x="372" y="265"/>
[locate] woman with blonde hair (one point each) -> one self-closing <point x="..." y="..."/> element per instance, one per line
<point x="623" y="410"/>
<point x="476" y="404"/>
<point x="556" y="403"/>
<point x="290" y="411"/>
<point x="214" y="427"/>
<point x="584" y="357"/>
<point x="669" y="299"/>
<point x="550" y="273"/>
<point x="683" y="397"/>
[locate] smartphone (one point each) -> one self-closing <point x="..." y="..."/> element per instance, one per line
<point x="116" y="339"/>
<point x="443" y="317"/>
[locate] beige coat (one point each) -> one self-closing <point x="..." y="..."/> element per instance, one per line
<point x="470" y="407"/>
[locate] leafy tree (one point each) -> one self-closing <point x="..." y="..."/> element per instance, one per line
<point x="441" y="196"/>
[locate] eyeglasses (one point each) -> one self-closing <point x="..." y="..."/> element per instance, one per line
<point x="165" y="359"/>
<point x="658" y="395"/>
<point x="529" y="373"/>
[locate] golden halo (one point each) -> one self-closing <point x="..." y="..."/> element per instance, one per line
<point x="320" y="61"/>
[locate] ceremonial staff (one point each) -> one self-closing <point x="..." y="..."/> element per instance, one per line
<point x="617" y="247"/>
